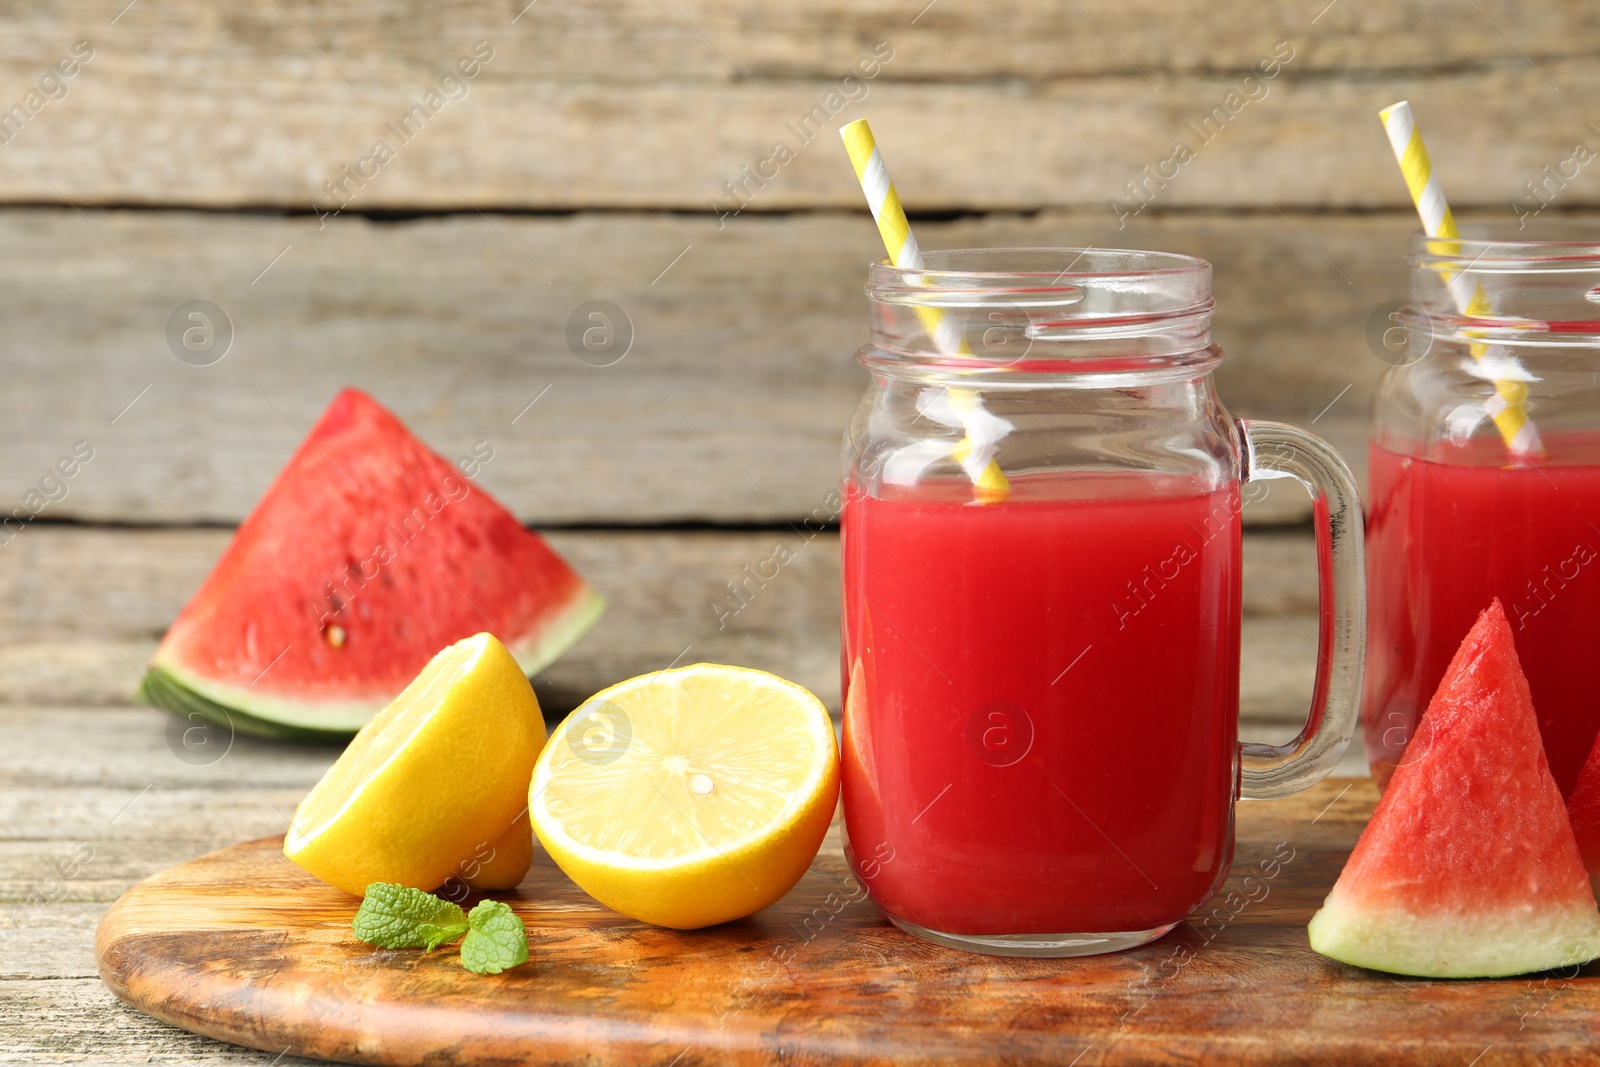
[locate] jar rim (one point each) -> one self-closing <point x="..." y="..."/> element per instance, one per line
<point x="1035" y="276"/>
<point x="1500" y="248"/>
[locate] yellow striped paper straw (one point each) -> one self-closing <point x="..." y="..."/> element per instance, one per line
<point x="1509" y="407"/>
<point x="905" y="253"/>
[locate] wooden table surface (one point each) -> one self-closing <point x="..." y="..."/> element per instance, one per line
<point x="97" y="793"/>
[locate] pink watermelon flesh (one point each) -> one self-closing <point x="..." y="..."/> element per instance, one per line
<point x="368" y="554"/>
<point x="1584" y="809"/>
<point x="1469" y="867"/>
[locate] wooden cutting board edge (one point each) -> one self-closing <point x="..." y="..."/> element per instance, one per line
<point x="606" y="989"/>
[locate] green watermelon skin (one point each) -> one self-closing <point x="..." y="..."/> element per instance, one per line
<point x="159" y="689"/>
<point x="1468" y="867"/>
<point x="367" y="554"/>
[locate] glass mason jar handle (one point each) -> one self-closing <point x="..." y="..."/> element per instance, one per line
<point x="1274" y="450"/>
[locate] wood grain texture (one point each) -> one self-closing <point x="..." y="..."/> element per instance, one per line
<point x="646" y="106"/>
<point x="107" y="783"/>
<point x="728" y="408"/>
<point x="81" y="610"/>
<point x="638" y="42"/>
<point x="243" y="946"/>
<point x="77" y="1020"/>
<point x="91" y="801"/>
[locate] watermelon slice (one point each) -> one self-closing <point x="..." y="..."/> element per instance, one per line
<point x="1469" y="867"/>
<point x="368" y="554"/>
<point x="1584" y="809"/>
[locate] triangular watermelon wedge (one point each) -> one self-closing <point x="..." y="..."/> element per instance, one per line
<point x="368" y="554"/>
<point x="1583" y="807"/>
<point x="1468" y="868"/>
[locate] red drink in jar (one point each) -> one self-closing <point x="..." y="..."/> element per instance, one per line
<point x="1041" y="596"/>
<point x="1449" y="533"/>
<point x="1000" y="672"/>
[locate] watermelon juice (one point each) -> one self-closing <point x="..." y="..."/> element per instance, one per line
<point x="1448" y="533"/>
<point x="1040" y="702"/>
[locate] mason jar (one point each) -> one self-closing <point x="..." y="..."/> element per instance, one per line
<point x="1484" y="466"/>
<point x="1041" y="601"/>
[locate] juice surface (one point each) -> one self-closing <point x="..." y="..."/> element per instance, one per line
<point x="1447" y="534"/>
<point x="1041" y="702"/>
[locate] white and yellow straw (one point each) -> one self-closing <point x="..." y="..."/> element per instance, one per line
<point x="1508" y="408"/>
<point x="904" y="252"/>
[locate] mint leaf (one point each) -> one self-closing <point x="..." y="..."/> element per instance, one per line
<point x="397" y="916"/>
<point x="434" y="936"/>
<point x="497" y="939"/>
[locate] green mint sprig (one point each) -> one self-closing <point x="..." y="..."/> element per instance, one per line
<point x="397" y="916"/>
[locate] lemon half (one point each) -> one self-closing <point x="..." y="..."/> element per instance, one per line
<point x="433" y="781"/>
<point x="688" y="797"/>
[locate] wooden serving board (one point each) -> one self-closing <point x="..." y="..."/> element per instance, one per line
<point x="242" y="946"/>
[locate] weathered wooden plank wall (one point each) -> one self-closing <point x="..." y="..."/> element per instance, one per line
<point x="728" y="407"/>
<point x="588" y="158"/>
<point x="1017" y="105"/>
<point x="626" y="120"/>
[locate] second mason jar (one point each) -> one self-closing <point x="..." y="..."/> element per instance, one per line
<point x="1041" y="589"/>
<point x="1485" y="481"/>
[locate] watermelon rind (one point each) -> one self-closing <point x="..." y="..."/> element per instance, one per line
<point x="168" y="685"/>
<point x="162" y="690"/>
<point x="575" y="621"/>
<point x="1455" y="946"/>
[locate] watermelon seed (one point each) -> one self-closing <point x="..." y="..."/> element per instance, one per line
<point x="335" y="636"/>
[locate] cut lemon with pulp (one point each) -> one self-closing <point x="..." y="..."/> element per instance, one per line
<point x="438" y="777"/>
<point x="688" y="797"/>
